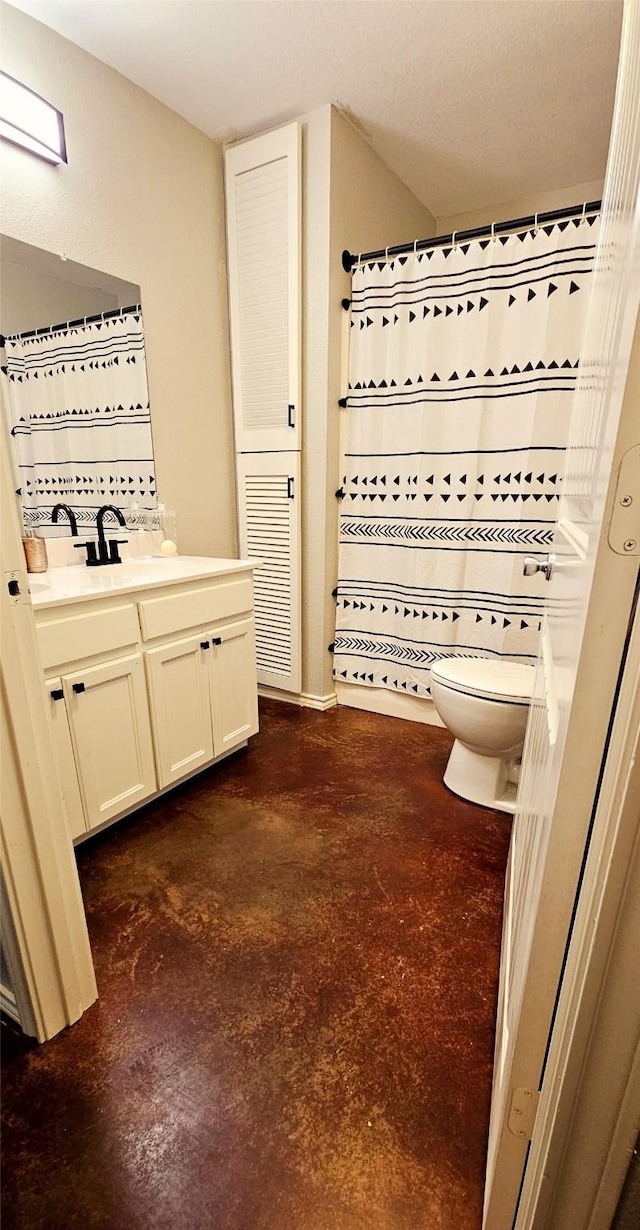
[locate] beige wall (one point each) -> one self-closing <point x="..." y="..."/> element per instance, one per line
<point x="30" y="299"/>
<point x="316" y="155"/>
<point x="538" y="202"/>
<point x="365" y="207"/>
<point x="142" y="199"/>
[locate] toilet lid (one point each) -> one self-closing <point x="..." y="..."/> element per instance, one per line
<point x="485" y="677"/>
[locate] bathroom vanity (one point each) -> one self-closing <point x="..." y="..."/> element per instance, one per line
<point x="150" y="673"/>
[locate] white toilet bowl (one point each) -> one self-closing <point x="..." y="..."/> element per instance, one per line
<point x="485" y="704"/>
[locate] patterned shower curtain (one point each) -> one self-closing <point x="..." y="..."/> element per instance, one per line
<point x="463" y="361"/>
<point x="81" y="423"/>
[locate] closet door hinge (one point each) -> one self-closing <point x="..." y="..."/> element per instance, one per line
<point x="522" y="1113"/>
<point x="624" y="528"/>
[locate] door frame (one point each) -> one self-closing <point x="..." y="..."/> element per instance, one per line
<point x="588" y="1118"/>
<point x="42" y="898"/>
<point x="609" y="611"/>
<point x="609" y="615"/>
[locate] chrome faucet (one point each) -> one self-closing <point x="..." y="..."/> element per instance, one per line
<point x="105" y="553"/>
<point x="55" y="513"/>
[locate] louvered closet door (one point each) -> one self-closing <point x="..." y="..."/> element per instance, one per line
<point x="262" y="178"/>
<point x="269" y="503"/>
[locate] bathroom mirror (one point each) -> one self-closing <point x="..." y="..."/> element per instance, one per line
<point x="76" y="400"/>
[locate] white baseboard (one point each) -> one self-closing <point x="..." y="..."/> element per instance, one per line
<point x="391" y="704"/>
<point x="308" y="700"/>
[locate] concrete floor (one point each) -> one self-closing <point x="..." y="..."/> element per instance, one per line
<point x="297" y="959"/>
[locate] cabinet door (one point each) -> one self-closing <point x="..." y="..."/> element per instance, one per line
<point x="65" y="762"/>
<point x="234" y="691"/>
<point x="111" y="732"/>
<point x="179" y="691"/>
<point x="262" y="178"/>
<point x="269" y="506"/>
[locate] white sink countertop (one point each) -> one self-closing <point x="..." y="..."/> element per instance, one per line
<point x="79" y="583"/>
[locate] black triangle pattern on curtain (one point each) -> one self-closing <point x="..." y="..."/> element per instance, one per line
<point x="81" y="418"/>
<point x="463" y="364"/>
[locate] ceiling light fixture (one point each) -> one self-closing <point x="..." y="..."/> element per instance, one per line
<point x="30" y="122"/>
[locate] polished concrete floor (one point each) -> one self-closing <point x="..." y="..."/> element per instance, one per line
<point x="297" y="960"/>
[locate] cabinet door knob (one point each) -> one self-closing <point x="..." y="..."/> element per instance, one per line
<point x="216" y="640"/>
<point x="57" y="694"/>
<point x="78" y="687"/>
<point x="204" y="644"/>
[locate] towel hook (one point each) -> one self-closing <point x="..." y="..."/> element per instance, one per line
<point x="535" y="222"/>
<point x="584" y="214"/>
<point x="415" y="247"/>
<point x="453" y="239"/>
<point x="493" y="232"/>
<point x="386" y="255"/>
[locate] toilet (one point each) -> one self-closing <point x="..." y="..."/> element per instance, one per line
<point x="485" y="704"/>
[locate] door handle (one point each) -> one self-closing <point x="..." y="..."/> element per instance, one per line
<point x="290" y="495"/>
<point x="57" y="694"/>
<point x="78" y="687"/>
<point x="291" y="415"/>
<point x="216" y="640"/>
<point x="204" y="644"/>
<point x="532" y="565"/>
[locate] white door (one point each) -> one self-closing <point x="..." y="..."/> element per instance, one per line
<point x="111" y="733"/>
<point x="179" y="691"/>
<point x="264" y="226"/>
<point x="65" y="762"/>
<point x="551" y="823"/>
<point x="232" y="674"/>
<point x="269" y="513"/>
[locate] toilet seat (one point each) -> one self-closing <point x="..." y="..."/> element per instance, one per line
<point x="506" y="682"/>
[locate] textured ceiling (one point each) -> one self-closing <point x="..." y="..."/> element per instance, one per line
<point x="471" y="102"/>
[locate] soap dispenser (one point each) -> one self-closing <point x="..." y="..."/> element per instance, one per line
<point x="35" y="551"/>
<point x="165" y="536"/>
<point x="139" y="527"/>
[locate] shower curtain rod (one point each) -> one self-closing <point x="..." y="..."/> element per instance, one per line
<point x="513" y="224"/>
<point x="71" y="324"/>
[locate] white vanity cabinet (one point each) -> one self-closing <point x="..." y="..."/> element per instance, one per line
<point x="111" y="734"/>
<point x="146" y="688"/>
<point x="234" y="693"/>
<point x="102" y="738"/>
<point x="179" y="694"/>
<point x="203" y="697"/>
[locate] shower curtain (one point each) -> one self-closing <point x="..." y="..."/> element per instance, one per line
<point x="463" y="361"/>
<point x="79" y="407"/>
